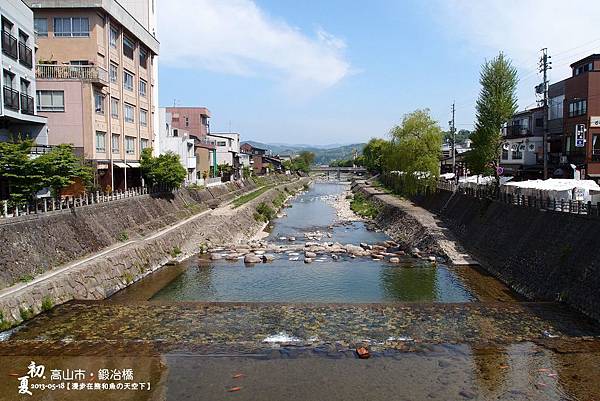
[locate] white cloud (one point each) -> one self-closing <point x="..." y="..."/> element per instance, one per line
<point x="237" y="37"/>
<point x="520" y="28"/>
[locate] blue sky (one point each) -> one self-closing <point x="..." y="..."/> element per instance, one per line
<point x="335" y="71"/>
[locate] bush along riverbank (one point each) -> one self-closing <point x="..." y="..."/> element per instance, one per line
<point x="363" y="206"/>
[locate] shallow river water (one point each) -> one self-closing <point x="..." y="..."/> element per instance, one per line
<point x="216" y="330"/>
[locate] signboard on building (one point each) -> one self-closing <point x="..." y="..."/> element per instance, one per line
<point x="595" y="122"/>
<point x="580" y="135"/>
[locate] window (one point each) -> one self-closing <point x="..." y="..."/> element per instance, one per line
<point x="50" y="100"/>
<point x="143" y="117"/>
<point x="114" y="107"/>
<point x="221" y="143"/>
<point x="100" y="141"/>
<point x="24" y="86"/>
<point x="40" y="26"/>
<point x="71" y="27"/>
<point x="114" y="36"/>
<point x="583" y="68"/>
<point x="99" y="102"/>
<point x="596" y="147"/>
<point x="114" y="73"/>
<point x="517" y="154"/>
<point x="116" y="143"/>
<point x="128" y="47"/>
<point x="175" y="132"/>
<point x="8" y="78"/>
<point x="128" y="80"/>
<point x="143" y="143"/>
<point x="142" y="88"/>
<point x="578" y="108"/>
<point x="129" y="145"/>
<point x="555" y="107"/>
<point x="504" y="154"/>
<point x="143" y="57"/>
<point x="128" y="112"/>
<point x="187" y="121"/>
<point x="539" y="122"/>
<point x="79" y="62"/>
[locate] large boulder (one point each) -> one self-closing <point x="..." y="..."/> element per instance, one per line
<point x="252" y="259"/>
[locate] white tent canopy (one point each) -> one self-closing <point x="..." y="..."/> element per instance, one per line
<point x="567" y="189"/>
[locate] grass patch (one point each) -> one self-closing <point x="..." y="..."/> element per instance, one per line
<point x="249" y="196"/>
<point x="47" y="304"/>
<point x="279" y="200"/>
<point x="4" y="325"/>
<point x="363" y="206"/>
<point x="264" y="213"/>
<point x="26" y="278"/>
<point x="123" y="236"/>
<point x="176" y="251"/>
<point x="25" y="313"/>
<point x="128" y="277"/>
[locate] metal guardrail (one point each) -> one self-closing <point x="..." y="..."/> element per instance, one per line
<point x="45" y="205"/>
<point x="92" y="73"/>
<point x="548" y="204"/>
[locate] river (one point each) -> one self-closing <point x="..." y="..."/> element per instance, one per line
<point x="205" y="329"/>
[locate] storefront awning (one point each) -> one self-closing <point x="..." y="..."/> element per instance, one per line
<point x="102" y="166"/>
<point x="120" y="165"/>
<point x="133" y="164"/>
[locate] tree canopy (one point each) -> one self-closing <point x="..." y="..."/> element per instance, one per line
<point x="27" y="175"/>
<point x="373" y="154"/>
<point x="166" y="169"/>
<point x="414" y="150"/>
<point x="497" y="103"/>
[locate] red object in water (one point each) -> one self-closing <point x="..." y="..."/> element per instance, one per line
<point x="234" y="389"/>
<point x="363" y="353"/>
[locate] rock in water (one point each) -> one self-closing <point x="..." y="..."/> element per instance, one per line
<point x="307" y="260"/>
<point x="310" y="255"/>
<point x="252" y="258"/>
<point x="394" y="260"/>
<point x="268" y="258"/>
<point x="216" y="256"/>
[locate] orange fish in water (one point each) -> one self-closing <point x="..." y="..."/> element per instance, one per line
<point x="234" y="389"/>
<point x="238" y="376"/>
<point x="363" y="353"/>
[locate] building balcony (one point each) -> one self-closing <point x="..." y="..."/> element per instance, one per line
<point x="9" y="45"/>
<point x="89" y="73"/>
<point x="27" y="105"/>
<point x="515" y="131"/>
<point x="25" y="55"/>
<point x="11" y="98"/>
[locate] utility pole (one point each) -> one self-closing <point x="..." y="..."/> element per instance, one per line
<point x="545" y="65"/>
<point x="453" y="133"/>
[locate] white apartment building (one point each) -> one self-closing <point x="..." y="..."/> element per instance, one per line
<point x="18" y="111"/>
<point x="176" y="141"/>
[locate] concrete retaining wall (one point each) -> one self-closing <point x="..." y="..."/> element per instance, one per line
<point x="542" y="255"/>
<point x="107" y="274"/>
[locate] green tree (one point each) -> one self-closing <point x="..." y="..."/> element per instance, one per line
<point x="60" y="168"/>
<point x="414" y="151"/>
<point x="373" y="154"/>
<point x="166" y="169"/>
<point x="27" y="175"/>
<point x="497" y="103"/>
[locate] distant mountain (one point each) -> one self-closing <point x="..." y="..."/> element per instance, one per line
<point x="324" y="154"/>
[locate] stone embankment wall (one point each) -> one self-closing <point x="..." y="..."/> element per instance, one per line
<point x="35" y="244"/>
<point x="104" y="275"/>
<point x="541" y="254"/>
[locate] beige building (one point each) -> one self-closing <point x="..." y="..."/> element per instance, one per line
<point x="96" y="83"/>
